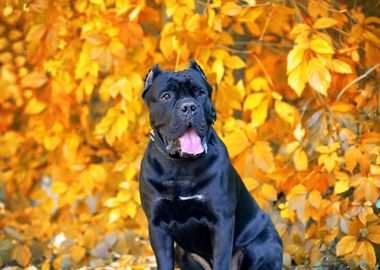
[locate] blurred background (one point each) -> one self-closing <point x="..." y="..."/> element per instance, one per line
<point x="296" y="89"/>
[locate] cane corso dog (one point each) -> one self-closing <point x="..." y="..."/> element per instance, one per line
<point x="192" y="196"/>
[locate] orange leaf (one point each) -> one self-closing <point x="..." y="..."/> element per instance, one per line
<point x="22" y="255"/>
<point x="374" y="233"/>
<point x="342" y="107"/>
<point x="34" y="80"/>
<point x="263" y="156"/>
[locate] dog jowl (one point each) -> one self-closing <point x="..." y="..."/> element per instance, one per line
<point x="200" y="214"/>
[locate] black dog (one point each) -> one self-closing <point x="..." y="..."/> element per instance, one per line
<point x="189" y="190"/>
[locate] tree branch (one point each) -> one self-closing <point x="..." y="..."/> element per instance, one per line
<point x="356" y="80"/>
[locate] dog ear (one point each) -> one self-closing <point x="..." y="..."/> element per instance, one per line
<point x="194" y="65"/>
<point x="152" y="74"/>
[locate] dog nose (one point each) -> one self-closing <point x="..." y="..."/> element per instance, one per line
<point x="188" y="107"/>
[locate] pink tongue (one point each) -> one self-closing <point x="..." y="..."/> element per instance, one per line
<point x="191" y="142"/>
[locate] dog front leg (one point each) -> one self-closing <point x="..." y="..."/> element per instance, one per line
<point x="163" y="247"/>
<point x="223" y="237"/>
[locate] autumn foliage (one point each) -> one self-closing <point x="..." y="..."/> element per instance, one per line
<point x="296" y="89"/>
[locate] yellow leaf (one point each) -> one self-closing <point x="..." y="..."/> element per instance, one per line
<point x="321" y="46"/>
<point x="236" y="142"/>
<point x="234" y="62"/>
<point x="97" y="2"/>
<point x="330" y="161"/>
<point x="130" y="209"/>
<point x="339" y="66"/>
<point x="97" y="173"/>
<point x="77" y="253"/>
<point x="341" y="186"/>
<point x="218" y="68"/>
<point x="117" y="49"/>
<point x="34" y="106"/>
<point x="51" y="142"/>
<point x="318" y="76"/>
<point x="230" y="9"/>
<point x="259" y="84"/>
<point x="193" y="23"/>
<point x="300" y="160"/>
<point x="259" y="114"/>
<point x="269" y="192"/>
<point x="298" y="77"/>
<point x="291" y="147"/>
<point x="315" y="198"/>
<point x="346" y="245"/>
<point x="297" y="199"/>
<point x="34" y="80"/>
<point x="114" y="215"/>
<point x="253" y="100"/>
<point x="263" y="156"/>
<point x="285" y="111"/>
<point x="59" y="187"/>
<point x="250" y="14"/>
<point x="126" y="89"/>
<point x="46" y="265"/>
<point x="366" y="252"/>
<point x="295" y="57"/>
<point x="251" y="183"/>
<point x="324" y="23"/>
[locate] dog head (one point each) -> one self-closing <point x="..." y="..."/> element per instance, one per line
<point x="180" y="109"/>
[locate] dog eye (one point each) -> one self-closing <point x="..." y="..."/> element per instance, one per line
<point x="201" y="93"/>
<point x="166" y="96"/>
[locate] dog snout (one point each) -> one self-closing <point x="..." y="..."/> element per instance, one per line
<point x="188" y="108"/>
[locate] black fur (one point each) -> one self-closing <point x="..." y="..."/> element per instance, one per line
<point x="218" y="216"/>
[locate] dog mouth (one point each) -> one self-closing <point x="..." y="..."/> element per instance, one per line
<point x="189" y="144"/>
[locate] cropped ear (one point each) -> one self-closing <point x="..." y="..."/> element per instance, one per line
<point x="194" y="65"/>
<point x="152" y="74"/>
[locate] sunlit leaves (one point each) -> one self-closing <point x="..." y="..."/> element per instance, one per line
<point x="230" y="9"/>
<point x="325" y="23"/>
<point x="73" y="127"/>
<point x="318" y="76"/>
<point x="34" y="106"/>
<point x="113" y="125"/>
<point x="218" y="68"/>
<point x="263" y="156"/>
<point x="236" y="142"/>
<point x="346" y="245"/>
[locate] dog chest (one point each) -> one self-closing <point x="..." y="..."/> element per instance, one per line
<point x="182" y="211"/>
